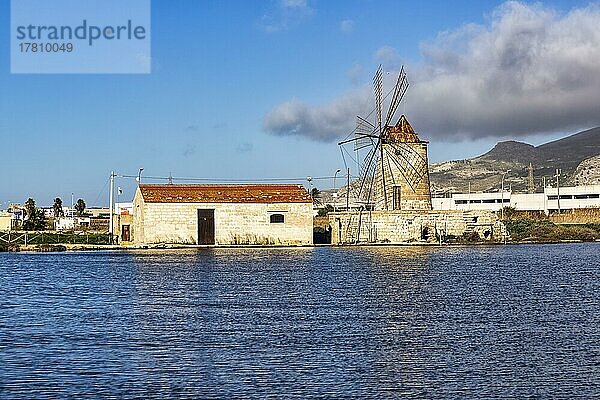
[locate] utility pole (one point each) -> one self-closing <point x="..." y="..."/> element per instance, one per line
<point x="558" y="189"/>
<point x="334" y="192"/>
<point x="545" y="195"/>
<point x="502" y="206"/>
<point x="348" y="191"/>
<point x="111" y="197"/>
<point x="469" y="201"/>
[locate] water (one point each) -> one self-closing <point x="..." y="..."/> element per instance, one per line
<point x="380" y="322"/>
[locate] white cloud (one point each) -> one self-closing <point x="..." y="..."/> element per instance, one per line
<point x="287" y="14"/>
<point x="529" y="70"/>
<point x="355" y="73"/>
<point x="293" y="3"/>
<point x="347" y="26"/>
<point x="388" y="56"/>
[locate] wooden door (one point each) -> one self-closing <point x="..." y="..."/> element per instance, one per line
<point x="125" y="233"/>
<point x="206" y="226"/>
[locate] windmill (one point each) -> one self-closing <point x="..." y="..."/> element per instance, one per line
<point x="392" y="160"/>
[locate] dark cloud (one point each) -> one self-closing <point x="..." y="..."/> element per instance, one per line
<point x="529" y="70"/>
<point x="323" y="123"/>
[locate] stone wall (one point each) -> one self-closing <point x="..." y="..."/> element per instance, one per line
<point x="234" y="223"/>
<point x="406" y="188"/>
<point x="412" y="226"/>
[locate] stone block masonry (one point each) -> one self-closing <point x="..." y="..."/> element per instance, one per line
<point x="235" y="223"/>
<point x="412" y="226"/>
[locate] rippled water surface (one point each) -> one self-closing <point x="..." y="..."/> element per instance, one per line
<point x="503" y="321"/>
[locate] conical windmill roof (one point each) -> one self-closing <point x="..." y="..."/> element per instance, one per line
<point x="402" y="131"/>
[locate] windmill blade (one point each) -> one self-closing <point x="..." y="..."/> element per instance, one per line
<point x="368" y="172"/>
<point x="408" y="177"/>
<point x="358" y="136"/>
<point x="363" y="142"/>
<point x="399" y="91"/>
<point x="364" y="127"/>
<point x="378" y="89"/>
<point x="369" y="182"/>
<point x="366" y="164"/>
<point x="413" y="167"/>
<point x="365" y="133"/>
<point x="413" y="157"/>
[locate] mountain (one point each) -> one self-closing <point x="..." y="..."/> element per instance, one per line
<point x="483" y="173"/>
<point x="511" y="151"/>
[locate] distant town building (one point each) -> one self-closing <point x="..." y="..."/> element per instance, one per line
<point x="222" y="215"/>
<point x="12" y="218"/>
<point x="5" y="221"/>
<point x="64" y="223"/>
<point x="551" y="200"/>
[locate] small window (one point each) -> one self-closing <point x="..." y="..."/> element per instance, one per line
<point x="277" y="219"/>
<point x="397" y="197"/>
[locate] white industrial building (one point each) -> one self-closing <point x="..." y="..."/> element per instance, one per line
<point x="551" y="200"/>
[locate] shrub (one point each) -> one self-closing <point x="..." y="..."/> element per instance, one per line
<point x="545" y="231"/>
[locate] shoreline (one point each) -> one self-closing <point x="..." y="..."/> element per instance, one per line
<point x="62" y="248"/>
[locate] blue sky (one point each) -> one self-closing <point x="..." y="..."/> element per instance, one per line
<point x="218" y="67"/>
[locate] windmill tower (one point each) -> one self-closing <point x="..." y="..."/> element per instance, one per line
<point x="394" y="172"/>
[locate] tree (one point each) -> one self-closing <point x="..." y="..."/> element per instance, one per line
<point x="35" y="220"/>
<point x="80" y="207"/>
<point x="325" y="210"/>
<point x="29" y="207"/>
<point x="57" y="208"/>
<point x="316" y="196"/>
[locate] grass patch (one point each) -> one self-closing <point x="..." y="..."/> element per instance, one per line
<point x="542" y="230"/>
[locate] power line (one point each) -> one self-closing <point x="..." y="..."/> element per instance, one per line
<point x="217" y="180"/>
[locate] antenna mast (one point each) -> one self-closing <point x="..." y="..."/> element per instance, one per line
<point x="530" y="182"/>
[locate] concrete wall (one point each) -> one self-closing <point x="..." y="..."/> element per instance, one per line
<point x="528" y="201"/>
<point x="234" y="223"/>
<point x="412" y="226"/>
<point x="571" y="197"/>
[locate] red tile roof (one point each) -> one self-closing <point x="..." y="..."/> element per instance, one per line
<point x="225" y="194"/>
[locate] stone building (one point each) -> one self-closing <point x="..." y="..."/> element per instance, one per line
<point x="402" y="182"/>
<point x="413" y="226"/>
<point x="399" y="207"/>
<point x="222" y="215"/>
